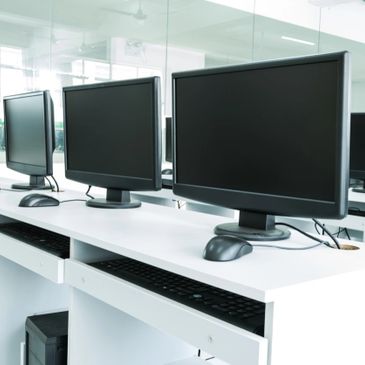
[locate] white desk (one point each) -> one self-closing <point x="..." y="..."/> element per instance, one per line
<point x="315" y="298"/>
<point x="352" y="222"/>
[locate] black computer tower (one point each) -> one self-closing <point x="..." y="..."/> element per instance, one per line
<point x="46" y="339"/>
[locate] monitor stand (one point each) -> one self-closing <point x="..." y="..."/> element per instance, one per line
<point x="35" y="183"/>
<point x="115" y="199"/>
<point x="253" y="226"/>
<point x="360" y="190"/>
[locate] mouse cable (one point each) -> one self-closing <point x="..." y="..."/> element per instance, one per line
<point x="72" y="200"/>
<point x="49" y="182"/>
<point x="56" y="183"/>
<point x="290" y="248"/>
<point x="13" y="190"/>
<point x="87" y="192"/>
<point x="320" y="242"/>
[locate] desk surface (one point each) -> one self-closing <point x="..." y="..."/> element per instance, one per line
<point x="174" y="240"/>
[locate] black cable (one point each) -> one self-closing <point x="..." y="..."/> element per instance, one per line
<point x="56" y="183"/>
<point x="303" y="233"/>
<point x="316" y="228"/>
<point x="347" y="234"/>
<point x="179" y="204"/>
<point x="334" y="239"/>
<point x="13" y="190"/>
<point x="49" y="182"/>
<point x="87" y="192"/>
<point x="72" y="200"/>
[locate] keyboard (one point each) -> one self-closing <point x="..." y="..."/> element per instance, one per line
<point x="54" y="243"/>
<point x="233" y="308"/>
<point x="356" y="211"/>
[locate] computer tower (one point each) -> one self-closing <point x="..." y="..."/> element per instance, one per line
<point x="46" y="339"/>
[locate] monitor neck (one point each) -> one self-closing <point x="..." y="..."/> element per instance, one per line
<point x="35" y="183"/>
<point x="360" y="189"/>
<point x="253" y="226"/>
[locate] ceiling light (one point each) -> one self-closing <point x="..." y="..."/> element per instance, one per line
<point x="297" y="40"/>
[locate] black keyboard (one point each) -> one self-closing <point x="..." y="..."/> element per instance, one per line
<point x="356" y="211"/>
<point x="54" y="243"/>
<point x="233" y="308"/>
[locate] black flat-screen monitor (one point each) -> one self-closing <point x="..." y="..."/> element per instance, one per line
<point x="267" y="138"/>
<point x="357" y="149"/>
<point x="29" y="136"/>
<point x="168" y="140"/>
<point x="112" y="138"/>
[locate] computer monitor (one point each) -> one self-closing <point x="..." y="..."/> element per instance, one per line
<point x="267" y="138"/>
<point x="168" y="140"/>
<point x="112" y="138"/>
<point x="357" y="149"/>
<point x="29" y="136"/>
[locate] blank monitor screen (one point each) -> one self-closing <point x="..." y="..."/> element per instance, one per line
<point x="25" y="130"/>
<point x="110" y="130"/>
<point x="268" y="131"/>
<point x="357" y="149"/>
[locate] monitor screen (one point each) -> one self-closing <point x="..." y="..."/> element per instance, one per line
<point x="112" y="134"/>
<point x="266" y="137"/>
<point x="357" y="146"/>
<point x="29" y="132"/>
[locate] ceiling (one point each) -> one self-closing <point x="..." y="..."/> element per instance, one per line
<point x="59" y="31"/>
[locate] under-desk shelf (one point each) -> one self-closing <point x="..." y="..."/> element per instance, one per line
<point x="41" y="262"/>
<point x="199" y="329"/>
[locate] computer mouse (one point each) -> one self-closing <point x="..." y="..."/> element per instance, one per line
<point x="167" y="172"/>
<point x="38" y="200"/>
<point x="226" y="248"/>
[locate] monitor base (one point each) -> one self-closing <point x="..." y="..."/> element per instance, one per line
<point x="253" y="226"/>
<point x="35" y="183"/>
<point x="251" y="234"/>
<point x="115" y="199"/>
<point x="358" y="190"/>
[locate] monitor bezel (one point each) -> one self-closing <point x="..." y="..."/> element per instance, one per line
<point x="356" y="174"/>
<point x="117" y="181"/>
<point x="26" y="168"/>
<point x="168" y="140"/>
<point x="280" y="204"/>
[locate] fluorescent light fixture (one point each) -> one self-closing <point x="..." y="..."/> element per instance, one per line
<point x="297" y="40"/>
<point x="234" y="4"/>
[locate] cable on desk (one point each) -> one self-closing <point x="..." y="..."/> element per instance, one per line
<point x="56" y="183"/>
<point x="347" y="233"/>
<point x="13" y="190"/>
<point x="72" y="200"/>
<point x="180" y="204"/>
<point x="334" y="239"/>
<point x="49" y="182"/>
<point x="87" y="192"/>
<point x="320" y="242"/>
<point x="337" y="234"/>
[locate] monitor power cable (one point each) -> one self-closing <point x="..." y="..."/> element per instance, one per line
<point x="324" y="229"/>
<point x="49" y="183"/>
<point x="87" y="192"/>
<point x="56" y="183"/>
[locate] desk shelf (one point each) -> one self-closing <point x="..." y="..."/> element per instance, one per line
<point x="200" y="330"/>
<point x="41" y="262"/>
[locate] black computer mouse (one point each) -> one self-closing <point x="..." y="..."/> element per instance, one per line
<point x="38" y="200"/>
<point x="226" y="248"/>
<point x="167" y="172"/>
